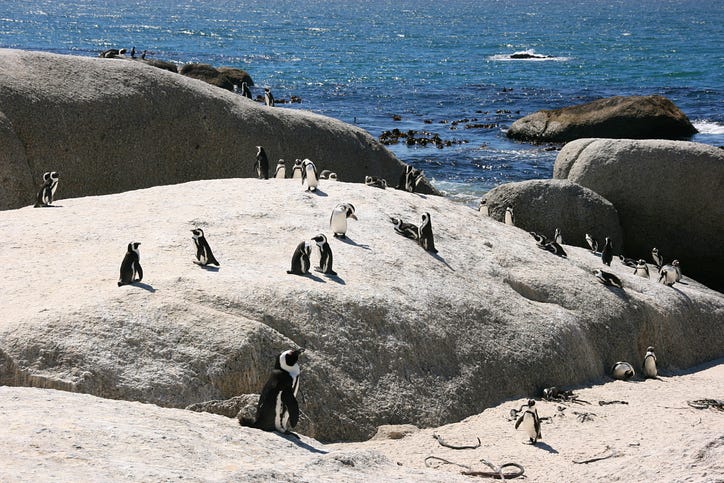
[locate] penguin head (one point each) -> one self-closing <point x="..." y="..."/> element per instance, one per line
<point x="197" y="232"/>
<point x="46" y="176"/>
<point x="675" y="263"/>
<point x="280" y="162"/>
<point x="531" y="403"/>
<point x="259" y="150"/>
<point x="54" y="175"/>
<point x="641" y="262"/>
<point x="333" y="176"/>
<point x="425" y="218"/>
<point x="351" y="211"/>
<point x="650" y="348"/>
<point x="298" y="161"/>
<point x="369" y="179"/>
<point x="288" y="359"/>
<point x="655" y="250"/>
<point x="320" y="239"/>
<point x="133" y="246"/>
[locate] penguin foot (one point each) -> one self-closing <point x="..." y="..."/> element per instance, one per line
<point x="289" y="433"/>
<point x="340" y="235"/>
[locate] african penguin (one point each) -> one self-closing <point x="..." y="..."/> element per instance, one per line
<point x="593" y="244"/>
<point x="131" y="270"/>
<point x="540" y="239"/>
<point x="281" y="171"/>
<point x="278" y="409"/>
<point x="325" y="255"/>
<point x="268" y="97"/>
<point x="376" y="182"/>
<point x="262" y="163"/>
<point x="509" y="219"/>
<point x="554" y="248"/>
<point x="297" y="169"/>
<point x="677" y="267"/>
<point x="483" y="207"/>
<point x="47" y="189"/>
<point x="204" y="256"/>
<point x="405" y="229"/>
<point x="642" y="270"/>
<point x="649" y="368"/>
<point x="338" y="220"/>
<point x="300" y="259"/>
<point x="657" y="258"/>
<point x="530" y="422"/>
<point x="607" y="252"/>
<point x="629" y="262"/>
<point x="622" y="371"/>
<point x="425" y="237"/>
<point x="667" y="275"/>
<point x="607" y="278"/>
<point x="558" y="237"/>
<point x="310" y="179"/>
<point x="245" y="91"/>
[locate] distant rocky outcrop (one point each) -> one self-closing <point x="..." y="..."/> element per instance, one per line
<point x="209" y="74"/>
<point x="114" y="125"/>
<point x="400" y="336"/>
<point x="631" y="117"/>
<point x="669" y="195"/>
<point x="237" y="76"/>
<point x="160" y="64"/>
<point x="543" y="205"/>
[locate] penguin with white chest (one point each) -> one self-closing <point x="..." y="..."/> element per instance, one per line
<point x="325" y="255"/>
<point x="131" y="270"/>
<point x="262" y="163"/>
<point x="338" y="220"/>
<point x="408" y="230"/>
<point x="297" y="169"/>
<point x="425" y="237"/>
<point x="509" y="218"/>
<point x="622" y="371"/>
<point x="204" y="256"/>
<point x="642" y="270"/>
<point x="530" y="422"/>
<point x="300" y="259"/>
<point x="649" y="368"/>
<point x="278" y="409"/>
<point x="310" y="178"/>
<point x="47" y="189"/>
<point x="281" y="171"/>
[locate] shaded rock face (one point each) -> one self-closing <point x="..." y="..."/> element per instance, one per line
<point x="160" y="64"/>
<point x="208" y="74"/>
<point x="544" y="205"/>
<point x="401" y="336"/>
<point x="632" y="117"/>
<point x="669" y="195"/>
<point x="109" y="126"/>
<point x="237" y="76"/>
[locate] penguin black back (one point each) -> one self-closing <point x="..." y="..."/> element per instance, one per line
<point x="204" y="256"/>
<point x="262" y="163"/>
<point x="607" y="252"/>
<point x="131" y="270"/>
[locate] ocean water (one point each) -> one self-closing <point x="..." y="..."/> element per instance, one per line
<point x="438" y="67"/>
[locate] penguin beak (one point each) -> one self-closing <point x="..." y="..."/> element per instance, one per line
<point x="353" y="216"/>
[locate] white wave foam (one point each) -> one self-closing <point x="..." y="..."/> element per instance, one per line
<point x="528" y="55"/>
<point x="708" y="127"/>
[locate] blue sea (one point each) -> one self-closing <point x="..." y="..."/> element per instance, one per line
<point x="438" y="67"/>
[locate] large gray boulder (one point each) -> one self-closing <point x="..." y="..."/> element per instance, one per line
<point x="110" y="125"/>
<point x="669" y="195"/>
<point x="542" y="205"/>
<point x="399" y="337"/>
<point x="637" y="117"/>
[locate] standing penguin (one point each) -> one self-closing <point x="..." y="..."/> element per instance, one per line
<point x="657" y="258"/>
<point x="245" y="91"/>
<point x="607" y="253"/>
<point x="203" y="250"/>
<point x="297" y="171"/>
<point x="310" y="179"/>
<point x="281" y="171"/>
<point x="268" y="97"/>
<point x="47" y="189"/>
<point x="530" y="422"/>
<point x="649" y="368"/>
<point x="509" y="219"/>
<point x="338" y="220"/>
<point x="425" y="238"/>
<point x="325" y="255"/>
<point x="278" y="409"/>
<point x="483" y="207"/>
<point x="300" y="259"/>
<point x="402" y="183"/>
<point x="677" y="268"/>
<point x="262" y="163"/>
<point x="667" y="275"/>
<point x="131" y="270"/>
<point x="593" y="244"/>
<point x="642" y="270"/>
<point x="558" y="237"/>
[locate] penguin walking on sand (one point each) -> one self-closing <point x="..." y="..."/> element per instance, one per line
<point x="204" y="256"/>
<point x="622" y="371"/>
<point x="297" y="170"/>
<point x="530" y="422"/>
<point x="593" y="244"/>
<point x="131" y="270"/>
<point x="262" y="163"/>
<point x="649" y="367"/>
<point x="268" y="97"/>
<point x="642" y="270"/>
<point x="607" y="278"/>
<point x="278" y="409"/>
<point x="657" y="258"/>
<point x="509" y="218"/>
<point x="425" y="237"/>
<point x="281" y="171"/>
<point x="46" y="194"/>
<point x="607" y="252"/>
<point x="338" y="220"/>
<point x="300" y="259"/>
<point x="405" y="229"/>
<point x="310" y="178"/>
<point x="245" y="91"/>
<point x="325" y="255"/>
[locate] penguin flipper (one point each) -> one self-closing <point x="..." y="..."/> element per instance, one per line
<point x="139" y="272"/>
<point x="292" y="407"/>
<point x="517" y="423"/>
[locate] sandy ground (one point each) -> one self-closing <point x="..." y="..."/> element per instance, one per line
<point x="51" y="435"/>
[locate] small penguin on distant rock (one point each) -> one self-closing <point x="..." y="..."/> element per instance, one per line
<point x="677" y="268"/>
<point x="649" y="367"/>
<point x="530" y="422"/>
<point x="593" y="244"/>
<point x="622" y="371"/>
<point x="245" y="91"/>
<point x="657" y="258"/>
<point x="558" y="237"/>
<point x="268" y="97"/>
<point x="629" y="262"/>
<point x="297" y="169"/>
<point x="425" y="236"/>
<point x="554" y="248"/>
<point x="509" y="218"/>
<point x="281" y="171"/>
<point x="667" y="275"/>
<point x="483" y="207"/>
<point x="540" y="239"/>
<point x="376" y="182"/>
<point x="46" y="194"/>
<point x="310" y="178"/>
<point x="405" y="229"/>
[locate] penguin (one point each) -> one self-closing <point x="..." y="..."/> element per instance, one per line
<point x="310" y="178"/>
<point x="509" y="220"/>
<point x="677" y="267"/>
<point x="622" y="371"/>
<point x="112" y="53"/>
<point x="425" y="238"/>
<point x="607" y="253"/>
<point x="333" y="176"/>
<point x="133" y="52"/>
<point x="405" y="229"/>
<point x="483" y="207"/>
<point x="297" y="169"/>
<point x="629" y="262"/>
<point x="649" y="367"/>
<point x="642" y="270"/>
<point x="558" y="237"/>
<point x="143" y="55"/>
<point x="268" y="97"/>
<point x="376" y="182"/>
<point x="131" y="270"/>
<point x="607" y="278"/>
<point x="262" y="163"/>
<point x="530" y="422"/>
<point x="554" y="248"/>
<point x="278" y="409"/>
<point x="46" y="194"/>
<point x="281" y="171"/>
<point x="402" y="184"/>
<point x="338" y="220"/>
<point x="203" y="250"/>
<point x="300" y="259"/>
<point x="413" y="179"/>
<point x="245" y="91"/>
<point x="593" y="244"/>
<point x="325" y="174"/>
<point x="540" y="240"/>
<point x="667" y="275"/>
<point x="325" y="255"/>
<point x="657" y="258"/>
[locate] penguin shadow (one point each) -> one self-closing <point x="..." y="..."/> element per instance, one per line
<point x="441" y="259"/>
<point x="683" y="295"/>
<point x="295" y="439"/>
<point x="312" y="276"/>
<point x="318" y="192"/>
<point x="335" y="278"/>
<point x="210" y="268"/>
<point x="353" y="243"/>
<point x="144" y="286"/>
<point x="618" y="292"/>
<point x="546" y="447"/>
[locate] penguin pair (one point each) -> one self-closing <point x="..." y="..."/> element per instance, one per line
<point x="625" y="371"/>
<point x="46" y="194"/>
<point x="409" y="179"/>
<point x="301" y="259"/>
<point x="310" y="178"/>
<point x="422" y="234"/>
<point x="261" y="166"/>
<point x="278" y="408"/>
<point x="530" y="422"/>
<point x="338" y="220"/>
<point x="376" y="182"/>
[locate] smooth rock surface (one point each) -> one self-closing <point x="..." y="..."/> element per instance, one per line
<point x="637" y="117"/>
<point x="400" y="337"/>
<point x="542" y="205"/>
<point x="111" y="125"/>
<point x="669" y="195"/>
